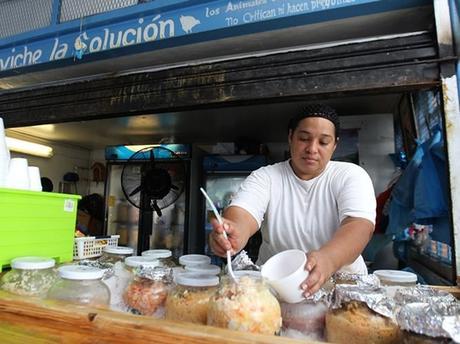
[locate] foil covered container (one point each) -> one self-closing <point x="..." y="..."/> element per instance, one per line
<point x="155" y="273"/>
<point x="421" y="293"/>
<point x="360" y="280"/>
<point x="437" y="320"/>
<point x="374" y="297"/>
<point x="243" y="262"/>
<point x="107" y="267"/>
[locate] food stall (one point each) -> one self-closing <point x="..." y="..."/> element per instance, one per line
<point x="71" y="78"/>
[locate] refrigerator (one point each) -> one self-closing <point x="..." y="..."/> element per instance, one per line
<point x="144" y="229"/>
<point x="222" y="177"/>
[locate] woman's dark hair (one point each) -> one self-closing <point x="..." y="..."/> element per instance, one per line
<point x="316" y="110"/>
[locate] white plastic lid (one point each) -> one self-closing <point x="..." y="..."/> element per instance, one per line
<point x="396" y="276"/>
<point x="207" y="269"/>
<point x="157" y="253"/>
<point x="253" y="273"/>
<point x="194" y="259"/>
<point x="119" y="250"/>
<point x="196" y="280"/>
<point x="136" y="261"/>
<point x="80" y="272"/>
<point x="32" y="263"/>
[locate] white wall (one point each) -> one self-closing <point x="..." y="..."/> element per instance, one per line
<point x="376" y="142"/>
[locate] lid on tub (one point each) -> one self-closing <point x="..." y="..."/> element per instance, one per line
<point x="196" y="280"/>
<point x="32" y="263"/>
<point x="207" y="269"/>
<point x="136" y="261"/>
<point x="119" y="250"/>
<point x="157" y="253"/>
<point x="194" y="259"/>
<point x="396" y="276"/>
<point x="80" y="272"/>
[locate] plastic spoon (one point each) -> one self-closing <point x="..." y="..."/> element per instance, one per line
<point x="219" y="219"/>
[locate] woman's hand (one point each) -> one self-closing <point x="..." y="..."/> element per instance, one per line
<point x="320" y="267"/>
<point x="219" y="245"/>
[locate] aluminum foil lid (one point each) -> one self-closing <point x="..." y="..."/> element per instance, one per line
<point x="360" y="280"/>
<point x="107" y="267"/>
<point x="429" y="319"/>
<point x="243" y="262"/>
<point x="421" y="293"/>
<point x="374" y="297"/>
<point x="155" y="273"/>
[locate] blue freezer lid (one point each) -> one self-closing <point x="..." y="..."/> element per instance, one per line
<point x="124" y="152"/>
<point x="221" y="163"/>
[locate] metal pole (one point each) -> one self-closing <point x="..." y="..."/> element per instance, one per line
<point x="451" y="117"/>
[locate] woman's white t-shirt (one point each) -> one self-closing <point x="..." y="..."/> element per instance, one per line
<point x="304" y="214"/>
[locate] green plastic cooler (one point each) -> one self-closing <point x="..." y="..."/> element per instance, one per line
<point x="36" y="223"/>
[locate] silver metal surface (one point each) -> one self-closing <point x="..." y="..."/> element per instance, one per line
<point x="76" y="9"/>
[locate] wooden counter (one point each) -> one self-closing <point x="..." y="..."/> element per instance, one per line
<point x="24" y="321"/>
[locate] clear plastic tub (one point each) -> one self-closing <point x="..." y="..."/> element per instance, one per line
<point x="246" y="306"/>
<point x="30" y="276"/>
<point x="146" y="293"/>
<point x="189" y="299"/>
<point x="396" y="278"/>
<point x="81" y="285"/>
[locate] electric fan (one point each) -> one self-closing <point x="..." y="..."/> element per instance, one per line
<point x="153" y="178"/>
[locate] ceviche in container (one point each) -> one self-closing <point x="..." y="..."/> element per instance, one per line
<point x="245" y="305"/>
<point x="189" y="299"/>
<point x="147" y="292"/>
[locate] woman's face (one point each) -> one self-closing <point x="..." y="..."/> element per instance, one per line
<point x="312" y="144"/>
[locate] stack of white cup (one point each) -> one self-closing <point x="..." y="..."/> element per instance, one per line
<point x="15" y="173"/>
<point x="4" y="156"/>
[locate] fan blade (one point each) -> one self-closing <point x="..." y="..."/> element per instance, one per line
<point x="156" y="208"/>
<point x="135" y="191"/>
<point x="174" y="187"/>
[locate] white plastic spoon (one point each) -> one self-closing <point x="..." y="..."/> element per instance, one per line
<point x="219" y="219"/>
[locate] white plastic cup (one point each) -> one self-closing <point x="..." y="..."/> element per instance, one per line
<point x="35" y="183"/>
<point x="285" y="272"/>
<point x="18" y="174"/>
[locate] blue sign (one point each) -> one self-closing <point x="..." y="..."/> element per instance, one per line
<point x="174" y="23"/>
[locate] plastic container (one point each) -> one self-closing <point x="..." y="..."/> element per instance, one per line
<point x="396" y="278"/>
<point x="164" y="257"/>
<point x="114" y="254"/>
<point x="189" y="299"/>
<point x="30" y="276"/>
<point x="207" y="269"/>
<point x="304" y="320"/>
<point x="81" y="285"/>
<point x="194" y="259"/>
<point x="246" y="306"/>
<point x="90" y="247"/>
<point x="146" y="293"/>
<point x="36" y="223"/>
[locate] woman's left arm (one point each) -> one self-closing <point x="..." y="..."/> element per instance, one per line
<point x="346" y="245"/>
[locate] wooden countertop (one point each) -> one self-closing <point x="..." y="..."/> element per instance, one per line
<point x="42" y="321"/>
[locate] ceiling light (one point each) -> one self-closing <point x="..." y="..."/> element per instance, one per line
<point x="26" y="147"/>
